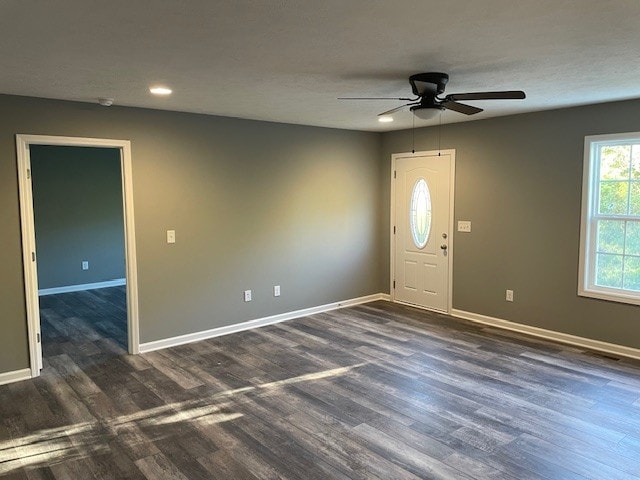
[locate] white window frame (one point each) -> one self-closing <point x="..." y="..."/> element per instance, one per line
<point x="588" y="235"/>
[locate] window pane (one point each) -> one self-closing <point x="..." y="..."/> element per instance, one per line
<point x="614" y="162"/>
<point x="613" y="198"/>
<point x="632" y="245"/>
<point x="635" y="162"/>
<point x="611" y="236"/>
<point x="632" y="273"/>
<point x="420" y="214"/>
<point x="609" y="270"/>
<point x="634" y="207"/>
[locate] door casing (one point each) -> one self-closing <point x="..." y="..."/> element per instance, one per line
<point x="29" y="254"/>
<point x="392" y="236"/>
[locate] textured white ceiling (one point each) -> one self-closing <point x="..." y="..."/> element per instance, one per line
<point x="289" y="60"/>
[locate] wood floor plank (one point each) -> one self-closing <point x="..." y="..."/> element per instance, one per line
<point x="524" y="466"/>
<point x="342" y="463"/>
<point x="583" y="464"/>
<point x="222" y="465"/>
<point x="338" y="437"/>
<point x="44" y="473"/>
<point x="249" y="459"/>
<point x="405" y="455"/>
<point x="162" y="361"/>
<point x="159" y="466"/>
<point x="478" y="469"/>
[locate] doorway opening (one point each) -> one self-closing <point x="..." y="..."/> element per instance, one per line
<point x="78" y="245"/>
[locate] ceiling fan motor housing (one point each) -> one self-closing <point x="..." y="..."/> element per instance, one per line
<point x="428" y="84"/>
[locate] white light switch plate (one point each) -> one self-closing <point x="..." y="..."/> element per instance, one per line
<point x="85" y="265"/>
<point x="171" y="236"/>
<point x="464" y="226"/>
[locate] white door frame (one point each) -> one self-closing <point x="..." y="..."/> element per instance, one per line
<point x="23" y="142"/>
<point x="392" y="242"/>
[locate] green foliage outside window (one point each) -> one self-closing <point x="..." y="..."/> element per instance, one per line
<point x="618" y="238"/>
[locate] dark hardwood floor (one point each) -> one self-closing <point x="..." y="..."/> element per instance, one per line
<point x="378" y="391"/>
<point x="73" y="322"/>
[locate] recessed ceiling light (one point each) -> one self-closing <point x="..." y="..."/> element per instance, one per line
<point x="385" y="119"/>
<point x="160" y="90"/>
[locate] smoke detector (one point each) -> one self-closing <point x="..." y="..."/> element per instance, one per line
<point x="105" y="102"/>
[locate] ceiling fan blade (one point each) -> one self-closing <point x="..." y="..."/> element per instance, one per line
<point x="378" y="98"/>
<point x="394" y="110"/>
<point x="505" y="95"/>
<point x="461" y="107"/>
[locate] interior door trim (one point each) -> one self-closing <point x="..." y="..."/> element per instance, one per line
<point x="392" y="236"/>
<point x="29" y="254"/>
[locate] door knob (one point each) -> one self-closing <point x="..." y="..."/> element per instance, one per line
<point x="443" y="246"/>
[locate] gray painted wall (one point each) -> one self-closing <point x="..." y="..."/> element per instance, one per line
<point x="77" y="203"/>
<point x="254" y="204"/>
<point x="519" y="180"/>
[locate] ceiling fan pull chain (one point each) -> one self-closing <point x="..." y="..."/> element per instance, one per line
<point x="439" y="131"/>
<point x="413" y="135"/>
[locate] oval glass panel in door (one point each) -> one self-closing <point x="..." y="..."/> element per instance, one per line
<point x="420" y="213"/>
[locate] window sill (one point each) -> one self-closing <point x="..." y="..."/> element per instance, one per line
<point x="611" y="296"/>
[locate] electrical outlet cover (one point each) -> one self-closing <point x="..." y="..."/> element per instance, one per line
<point x="464" y="226"/>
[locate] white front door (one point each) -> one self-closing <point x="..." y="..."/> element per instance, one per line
<point x="422" y="222"/>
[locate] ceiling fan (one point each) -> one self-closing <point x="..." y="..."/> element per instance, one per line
<point x="428" y="89"/>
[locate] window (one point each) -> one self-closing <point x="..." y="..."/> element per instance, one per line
<point x="420" y="213"/>
<point x="610" y="234"/>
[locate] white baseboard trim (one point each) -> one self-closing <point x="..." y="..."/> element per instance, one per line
<point x="15" y="376"/>
<point x="258" y="322"/>
<point x="611" y="348"/>
<point x="83" y="286"/>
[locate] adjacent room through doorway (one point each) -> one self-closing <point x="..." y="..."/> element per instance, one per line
<point x="80" y="243"/>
